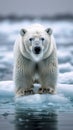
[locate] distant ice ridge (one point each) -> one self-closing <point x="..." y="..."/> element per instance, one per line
<point x="63" y="30"/>
<point x="62" y="101"/>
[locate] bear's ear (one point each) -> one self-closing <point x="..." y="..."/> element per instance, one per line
<point x="49" y="31"/>
<point x="22" y="32"/>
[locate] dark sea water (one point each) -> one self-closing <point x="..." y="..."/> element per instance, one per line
<point x="37" y="112"/>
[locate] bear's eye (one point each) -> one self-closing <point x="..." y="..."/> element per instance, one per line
<point x="42" y="39"/>
<point x="31" y="39"/>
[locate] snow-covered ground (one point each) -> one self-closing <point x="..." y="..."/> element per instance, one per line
<point x="63" y="100"/>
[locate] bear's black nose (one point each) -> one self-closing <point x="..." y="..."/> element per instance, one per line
<point x="37" y="50"/>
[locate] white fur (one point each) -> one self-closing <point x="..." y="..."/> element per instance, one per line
<point x="25" y="60"/>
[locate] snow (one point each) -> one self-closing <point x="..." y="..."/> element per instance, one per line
<point x="61" y="101"/>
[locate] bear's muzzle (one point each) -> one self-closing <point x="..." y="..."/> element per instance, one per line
<point x="37" y="49"/>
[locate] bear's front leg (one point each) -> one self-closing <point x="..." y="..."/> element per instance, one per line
<point x="23" y="85"/>
<point x="48" y="83"/>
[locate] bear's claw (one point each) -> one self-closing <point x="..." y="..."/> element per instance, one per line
<point x="25" y="92"/>
<point x="45" y="91"/>
<point x="28" y="92"/>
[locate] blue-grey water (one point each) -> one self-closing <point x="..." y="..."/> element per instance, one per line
<point x="54" y="112"/>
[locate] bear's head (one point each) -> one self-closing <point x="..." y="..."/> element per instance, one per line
<point x="36" y="42"/>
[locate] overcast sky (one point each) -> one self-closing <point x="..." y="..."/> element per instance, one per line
<point x="36" y="7"/>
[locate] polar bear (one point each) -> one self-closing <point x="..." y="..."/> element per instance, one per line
<point x="35" y="60"/>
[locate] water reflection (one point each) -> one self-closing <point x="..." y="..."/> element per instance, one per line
<point x="35" y="120"/>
